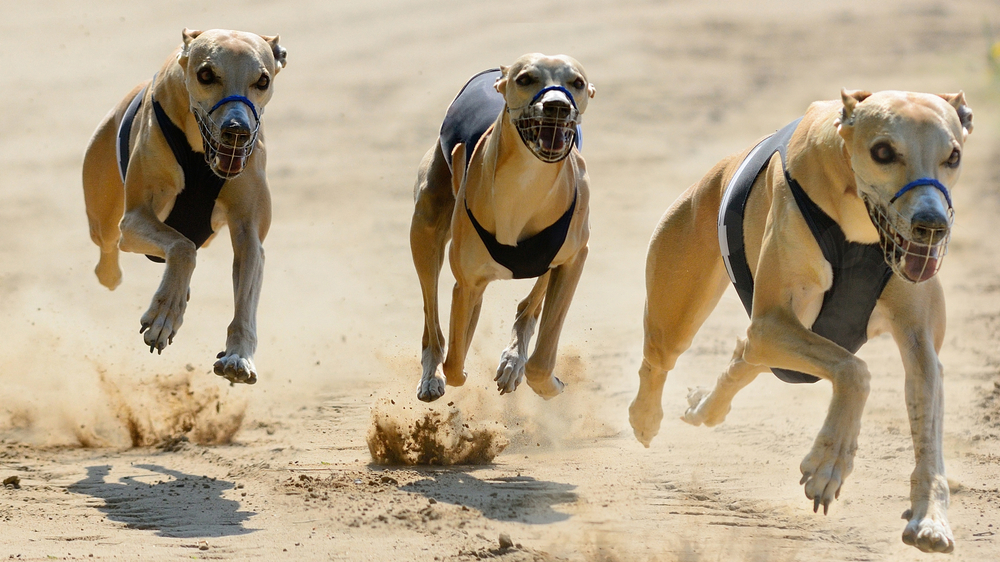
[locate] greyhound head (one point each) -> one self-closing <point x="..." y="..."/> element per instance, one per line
<point x="906" y="152"/>
<point x="228" y="77"/>
<point x="546" y="97"/>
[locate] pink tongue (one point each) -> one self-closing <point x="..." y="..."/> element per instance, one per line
<point x="230" y="164"/>
<point x="551" y="139"/>
<point x="919" y="269"/>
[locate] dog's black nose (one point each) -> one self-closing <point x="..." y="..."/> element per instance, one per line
<point x="556" y="109"/>
<point x="233" y="129"/>
<point x="928" y="226"/>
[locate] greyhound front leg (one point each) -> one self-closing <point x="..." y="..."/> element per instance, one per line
<point x="777" y="339"/>
<point x="466" y="302"/>
<point x="235" y="364"/>
<point x="510" y="371"/>
<point x="142" y="232"/>
<point x="831" y="459"/>
<point x="561" y="287"/>
<point x="927" y="519"/>
<point x="917" y="319"/>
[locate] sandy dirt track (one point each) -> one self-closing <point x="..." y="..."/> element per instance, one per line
<point x="680" y="84"/>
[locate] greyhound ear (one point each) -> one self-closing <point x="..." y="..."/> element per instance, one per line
<point x="964" y="111"/>
<point x="279" y="52"/>
<point x="188" y="35"/>
<point x="591" y="90"/>
<point x="501" y="84"/>
<point x="851" y="99"/>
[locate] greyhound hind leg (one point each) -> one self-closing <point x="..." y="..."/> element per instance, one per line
<point x="104" y="196"/>
<point x="685" y="277"/>
<point x="430" y="231"/>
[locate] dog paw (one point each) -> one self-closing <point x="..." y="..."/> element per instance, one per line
<point x="453" y="376"/>
<point x="700" y="411"/>
<point x="825" y="468"/>
<point x="236" y="369"/>
<point x="510" y="373"/>
<point x="928" y="533"/>
<point x="108" y="273"/>
<point x="431" y="388"/>
<point x="645" y="417"/>
<point x="161" y="321"/>
<point x="548" y="387"/>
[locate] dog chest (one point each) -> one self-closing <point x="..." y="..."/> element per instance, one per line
<point x="860" y="272"/>
<point x="192" y="211"/>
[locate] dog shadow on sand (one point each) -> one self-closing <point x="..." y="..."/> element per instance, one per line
<point x="517" y="498"/>
<point x="178" y="505"/>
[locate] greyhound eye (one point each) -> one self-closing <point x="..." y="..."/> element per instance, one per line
<point x="955" y="158"/>
<point x="579" y="84"/>
<point x="883" y="153"/>
<point x="206" y="76"/>
<point x="525" y="80"/>
<point x="263" y="82"/>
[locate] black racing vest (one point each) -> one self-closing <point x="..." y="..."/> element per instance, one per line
<point x="860" y="272"/>
<point x="472" y="112"/>
<point x="191" y="214"/>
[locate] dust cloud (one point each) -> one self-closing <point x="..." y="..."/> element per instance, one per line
<point x="473" y="424"/>
<point x="166" y="409"/>
<point x="405" y="435"/>
<point x="123" y="411"/>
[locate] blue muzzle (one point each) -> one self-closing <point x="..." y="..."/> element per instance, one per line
<point x="227" y="148"/>
<point x="914" y="253"/>
<point x="547" y="124"/>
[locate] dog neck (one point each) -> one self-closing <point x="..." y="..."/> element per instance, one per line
<point x="818" y="159"/>
<point x="170" y="91"/>
<point x="525" y="195"/>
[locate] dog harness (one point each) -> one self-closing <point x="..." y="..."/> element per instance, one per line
<point x="472" y="112"/>
<point x="191" y="214"/>
<point x="860" y="271"/>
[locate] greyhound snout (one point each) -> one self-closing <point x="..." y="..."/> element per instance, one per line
<point x="914" y="229"/>
<point x="548" y="125"/>
<point x="235" y="122"/>
<point x="930" y="219"/>
<point x="234" y="131"/>
<point x="929" y="226"/>
<point x="229" y="133"/>
<point x="556" y="105"/>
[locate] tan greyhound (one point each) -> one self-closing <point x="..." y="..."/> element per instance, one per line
<point x="833" y="240"/>
<point x="508" y="155"/>
<point x="175" y="160"/>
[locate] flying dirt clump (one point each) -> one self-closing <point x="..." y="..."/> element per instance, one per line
<point x="169" y="409"/>
<point x="401" y="435"/>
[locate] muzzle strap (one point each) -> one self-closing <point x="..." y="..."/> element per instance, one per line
<point x="241" y="99"/>
<point x="923" y="181"/>
<point x="548" y="89"/>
